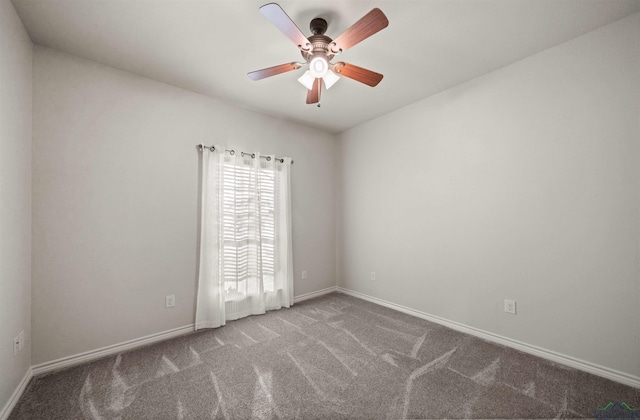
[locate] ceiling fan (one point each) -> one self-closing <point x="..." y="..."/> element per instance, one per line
<point x="318" y="50"/>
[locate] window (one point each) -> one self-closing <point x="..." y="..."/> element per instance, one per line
<point x="245" y="254"/>
<point x="248" y="228"/>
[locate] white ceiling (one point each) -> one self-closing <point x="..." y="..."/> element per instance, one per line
<point x="208" y="46"/>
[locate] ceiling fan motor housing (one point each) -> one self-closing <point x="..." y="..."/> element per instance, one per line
<point x="319" y="46"/>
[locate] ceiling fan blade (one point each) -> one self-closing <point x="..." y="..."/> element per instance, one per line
<point x="272" y="71"/>
<point x="274" y="13"/>
<point x="368" y="25"/>
<point x="313" y="94"/>
<point x="358" y="74"/>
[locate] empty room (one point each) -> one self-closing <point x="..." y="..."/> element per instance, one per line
<point x="393" y="209"/>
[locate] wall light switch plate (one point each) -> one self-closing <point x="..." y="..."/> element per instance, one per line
<point x="304" y="275"/>
<point x="170" y="301"/>
<point x="373" y="276"/>
<point x="21" y="339"/>
<point x="16" y="345"/>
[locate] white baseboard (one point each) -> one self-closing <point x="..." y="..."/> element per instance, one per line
<point x="312" y="295"/>
<point x="553" y="356"/>
<point x="77" y="359"/>
<point x="15" y="397"/>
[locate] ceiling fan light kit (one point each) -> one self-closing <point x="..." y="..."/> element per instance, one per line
<point x="318" y="66"/>
<point x="318" y="50"/>
<point x="330" y="79"/>
<point x="307" y="80"/>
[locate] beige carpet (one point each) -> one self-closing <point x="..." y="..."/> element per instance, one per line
<point x="332" y="357"/>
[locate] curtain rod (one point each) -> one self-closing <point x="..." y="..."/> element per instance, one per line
<point x="233" y="152"/>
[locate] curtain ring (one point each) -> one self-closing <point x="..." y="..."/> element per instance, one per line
<point x="268" y="158"/>
<point x="253" y="155"/>
<point x="212" y="148"/>
<point x="232" y="152"/>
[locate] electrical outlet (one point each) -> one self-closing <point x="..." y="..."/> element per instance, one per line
<point x="170" y="301"/>
<point x="21" y="339"/>
<point x="304" y="274"/>
<point x="510" y="306"/>
<point x="373" y="276"/>
<point x="16" y="345"/>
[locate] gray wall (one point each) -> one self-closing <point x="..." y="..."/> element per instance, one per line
<point x="16" y="53"/>
<point x="521" y="184"/>
<point x="115" y="201"/>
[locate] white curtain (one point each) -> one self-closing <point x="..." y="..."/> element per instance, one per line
<point x="246" y="265"/>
